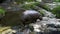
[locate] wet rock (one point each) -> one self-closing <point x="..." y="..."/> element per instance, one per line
<point x="51" y="25"/>
<point x="48" y="1"/>
<point x="48" y="14"/>
<point x="58" y="20"/>
<point x="45" y="18"/>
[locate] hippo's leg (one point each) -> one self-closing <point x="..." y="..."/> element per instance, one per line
<point x="40" y="18"/>
<point x="35" y="20"/>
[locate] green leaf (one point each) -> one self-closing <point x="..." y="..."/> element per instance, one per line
<point x="2" y="11"/>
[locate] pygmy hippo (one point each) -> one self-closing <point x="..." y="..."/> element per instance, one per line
<point x="30" y="16"/>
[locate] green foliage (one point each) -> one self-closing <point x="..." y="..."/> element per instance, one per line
<point x="2" y="11"/>
<point x="22" y="1"/>
<point x="30" y="5"/>
<point x="46" y="7"/>
<point x="29" y="0"/>
<point x="56" y="11"/>
<point x="57" y="0"/>
<point x="41" y="12"/>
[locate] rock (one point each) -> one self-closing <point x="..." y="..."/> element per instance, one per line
<point x="58" y="20"/>
<point x="45" y="18"/>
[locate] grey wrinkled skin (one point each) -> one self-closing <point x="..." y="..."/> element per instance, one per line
<point x="30" y="16"/>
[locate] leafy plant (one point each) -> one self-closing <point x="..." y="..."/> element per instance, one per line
<point x="22" y="1"/>
<point x="30" y="5"/>
<point x="56" y="11"/>
<point x="2" y="12"/>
